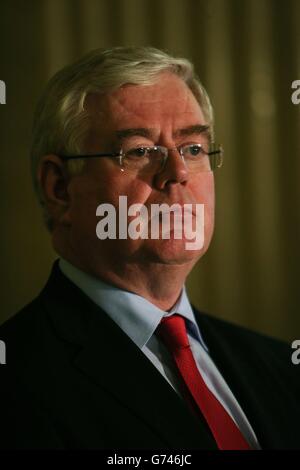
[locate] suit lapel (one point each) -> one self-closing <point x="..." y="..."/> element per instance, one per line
<point x="127" y="374"/>
<point x="244" y="364"/>
<point x="116" y="364"/>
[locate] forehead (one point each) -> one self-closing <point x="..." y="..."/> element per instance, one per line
<point x="166" y="103"/>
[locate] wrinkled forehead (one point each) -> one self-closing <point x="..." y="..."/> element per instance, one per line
<point x="167" y="101"/>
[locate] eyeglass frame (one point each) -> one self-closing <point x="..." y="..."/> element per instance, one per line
<point x="120" y="154"/>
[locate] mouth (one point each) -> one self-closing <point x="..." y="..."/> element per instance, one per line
<point x="178" y="209"/>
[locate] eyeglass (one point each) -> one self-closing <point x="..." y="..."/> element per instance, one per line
<point x="197" y="157"/>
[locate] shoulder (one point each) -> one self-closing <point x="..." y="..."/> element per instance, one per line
<point x="21" y="331"/>
<point x="32" y="341"/>
<point x="248" y="348"/>
<point x="232" y="331"/>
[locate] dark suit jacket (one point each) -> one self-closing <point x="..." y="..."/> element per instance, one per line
<point x="73" y="379"/>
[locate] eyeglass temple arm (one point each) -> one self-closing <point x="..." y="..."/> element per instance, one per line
<point x="96" y="155"/>
<point x="213" y="152"/>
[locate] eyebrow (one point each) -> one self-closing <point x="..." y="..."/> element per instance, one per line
<point x="123" y="134"/>
<point x="190" y="130"/>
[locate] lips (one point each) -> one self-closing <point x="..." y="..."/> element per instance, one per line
<point x="181" y="208"/>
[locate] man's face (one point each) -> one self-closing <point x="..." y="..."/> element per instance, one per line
<point x="164" y="109"/>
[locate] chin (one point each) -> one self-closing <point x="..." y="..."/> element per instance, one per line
<point x="172" y="252"/>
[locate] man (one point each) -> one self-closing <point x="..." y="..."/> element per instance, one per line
<point x="111" y="354"/>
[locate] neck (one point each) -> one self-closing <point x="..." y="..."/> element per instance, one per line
<point x="159" y="281"/>
<point x="160" y="284"/>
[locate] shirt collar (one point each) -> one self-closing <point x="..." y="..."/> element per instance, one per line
<point x="136" y="316"/>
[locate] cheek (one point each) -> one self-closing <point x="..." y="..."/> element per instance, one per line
<point x="210" y="195"/>
<point x="126" y="184"/>
<point x="204" y="193"/>
<point x="84" y="196"/>
<point x="203" y="190"/>
<point x="87" y="192"/>
<point x="209" y="208"/>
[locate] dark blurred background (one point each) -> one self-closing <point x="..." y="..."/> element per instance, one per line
<point x="247" y="54"/>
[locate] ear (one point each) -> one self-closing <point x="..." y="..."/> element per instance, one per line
<point x="54" y="179"/>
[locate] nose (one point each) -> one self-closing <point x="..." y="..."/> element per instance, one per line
<point x="174" y="171"/>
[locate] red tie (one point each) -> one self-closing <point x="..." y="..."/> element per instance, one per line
<point x="172" y="331"/>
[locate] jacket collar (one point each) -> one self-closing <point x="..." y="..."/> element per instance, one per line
<point x="116" y="364"/>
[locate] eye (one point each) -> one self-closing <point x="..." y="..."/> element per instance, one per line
<point x="194" y="150"/>
<point x="137" y="152"/>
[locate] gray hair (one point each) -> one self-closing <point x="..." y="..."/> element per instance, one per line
<point x="61" y="122"/>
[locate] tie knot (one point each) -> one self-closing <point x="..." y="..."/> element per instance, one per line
<point x="172" y="331"/>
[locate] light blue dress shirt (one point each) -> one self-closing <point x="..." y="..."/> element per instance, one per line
<point x="139" y="318"/>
